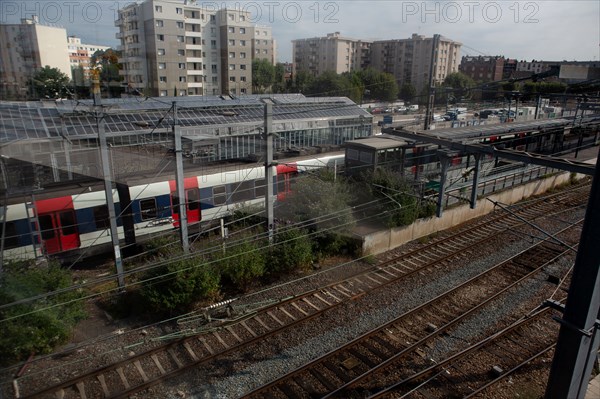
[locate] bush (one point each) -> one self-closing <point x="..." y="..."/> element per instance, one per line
<point x="292" y="250"/>
<point x="242" y="263"/>
<point x="179" y="284"/>
<point x="39" y="325"/>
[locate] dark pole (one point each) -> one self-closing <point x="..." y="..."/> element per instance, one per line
<point x="431" y="97"/>
<point x="578" y="339"/>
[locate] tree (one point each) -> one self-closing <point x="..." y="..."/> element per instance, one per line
<point x="50" y="83"/>
<point x="460" y="83"/>
<point x="408" y="92"/>
<point x="386" y="88"/>
<point x="302" y="82"/>
<point x="108" y="64"/>
<point x="279" y="84"/>
<point x="263" y="75"/>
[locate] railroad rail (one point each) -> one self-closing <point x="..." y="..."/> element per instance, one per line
<point x="353" y="369"/>
<point x="146" y="369"/>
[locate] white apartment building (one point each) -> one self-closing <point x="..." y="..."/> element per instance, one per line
<point x="181" y="48"/>
<point x="80" y="55"/>
<point x="331" y="53"/>
<point x="24" y="49"/>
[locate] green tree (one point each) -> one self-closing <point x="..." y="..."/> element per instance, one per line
<point x="36" y="326"/>
<point x="279" y="83"/>
<point x="460" y="82"/>
<point x="302" y="82"/>
<point x="408" y="92"/>
<point x="263" y="75"/>
<point x="50" y="83"/>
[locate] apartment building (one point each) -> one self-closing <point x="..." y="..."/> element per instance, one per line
<point x="182" y="48"/>
<point x="24" y="49"/>
<point x="482" y="68"/>
<point x="80" y="55"/>
<point x="331" y="53"/>
<point x="409" y="60"/>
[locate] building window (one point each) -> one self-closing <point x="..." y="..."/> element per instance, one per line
<point x="242" y="55"/>
<point x="179" y="10"/>
<point x="242" y="18"/>
<point x="242" y="30"/>
<point x="181" y="65"/>
<point x="242" y="79"/>
<point x="162" y="65"/>
<point x="231" y="42"/>
<point x="213" y="19"/>
<point x="215" y="79"/>
<point x="232" y="67"/>
<point x="243" y="66"/>
<point x="213" y="44"/>
<point x="243" y="90"/>
<point x="231" y="29"/>
<point x="232" y="78"/>
<point x="180" y="24"/>
<point x="232" y="55"/>
<point x="180" y="39"/>
<point x="158" y="8"/>
<point x="182" y="79"/>
<point x="160" y="38"/>
<point x="163" y="93"/>
<point x="265" y="42"/>
<point x="242" y="42"/>
<point x="265" y="52"/>
<point x="213" y="69"/>
<point x="161" y="51"/>
<point x="163" y="79"/>
<point x="231" y="17"/>
<point x="160" y="23"/>
<point x="257" y="33"/>
<point x="181" y="52"/>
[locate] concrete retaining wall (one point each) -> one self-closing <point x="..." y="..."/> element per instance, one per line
<point x="385" y="240"/>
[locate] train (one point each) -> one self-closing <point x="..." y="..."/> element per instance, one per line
<point x="73" y="221"/>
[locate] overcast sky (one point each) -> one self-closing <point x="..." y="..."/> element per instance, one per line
<point x="526" y="30"/>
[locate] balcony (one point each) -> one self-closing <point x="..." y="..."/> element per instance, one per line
<point x="119" y="35"/>
<point x="193" y="72"/>
<point x="195" y="84"/>
<point x="194" y="59"/>
<point x="190" y="33"/>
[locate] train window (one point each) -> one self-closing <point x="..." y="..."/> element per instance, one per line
<point x="352" y="154"/>
<point x="219" y="195"/>
<point x="11" y="237"/>
<point x="281" y="183"/>
<point x="175" y="202"/>
<point x="68" y="223"/>
<point x="243" y="191"/>
<point x="46" y="226"/>
<point x="101" y="217"/>
<point x="193" y="199"/>
<point x="259" y="188"/>
<point x="148" y="208"/>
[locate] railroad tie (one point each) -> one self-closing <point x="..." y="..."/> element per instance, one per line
<point x="300" y="309"/>
<point x="339" y="373"/>
<point x="323" y="380"/>
<point x="302" y="383"/>
<point x="103" y="385"/>
<point x="274" y="317"/>
<point x="363" y="358"/>
<point x="289" y="391"/>
<point x="329" y="293"/>
<point x="190" y="351"/>
<point x="309" y="303"/>
<point x="232" y="331"/>
<point x="123" y="379"/>
<point x="81" y="389"/>
<point x="175" y="358"/>
<point x="288" y="314"/>
<point x="218" y="337"/>
<point x="243" y="323"/>
<point x="320" y="298"/>
<point x="262" y="323"/>
<point x="60" y="394"/>
<point x="208" y="348"/>
<point x="158" y="365"/>
<point x="140" y="370"/>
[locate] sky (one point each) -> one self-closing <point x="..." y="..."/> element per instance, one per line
<point x="525" y="30"/>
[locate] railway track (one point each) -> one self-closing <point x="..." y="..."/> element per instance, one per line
<point x="146" y="369"/>
<point x="354" y="369"/>
<point x="500" y="355"/>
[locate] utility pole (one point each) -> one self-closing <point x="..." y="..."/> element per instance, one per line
<point x="432" y="70"/>
<point x="106" y="172"/>
<point x="180" y="184"/>
<point x="579" y="335"/>
<point x="268" y="132"/>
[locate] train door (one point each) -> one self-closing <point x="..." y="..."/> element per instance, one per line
<point x="284" y="177"/>
<point x="58" y="225"/>
<point x="192" y="200"/>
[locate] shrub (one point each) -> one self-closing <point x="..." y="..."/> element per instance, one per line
<point x="179" y="284"/>
<point x="242" y="263"/>
<point x="292" y="250"/>
<point x="38" y="326"/>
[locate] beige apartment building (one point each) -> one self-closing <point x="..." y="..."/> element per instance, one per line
<point x="24" y="49"/>
<point x="331" y="53"/>
<point x="80" y="55"/>
<point x="182" y="48"/>
<point x="409" y="60"/>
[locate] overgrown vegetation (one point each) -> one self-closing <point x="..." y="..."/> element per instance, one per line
<point x="292" y="251"/>
<point x="41" y="325"/>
